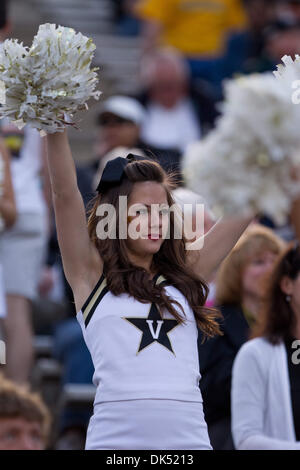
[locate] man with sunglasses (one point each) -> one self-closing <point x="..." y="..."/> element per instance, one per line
<point x="120" y="123"/>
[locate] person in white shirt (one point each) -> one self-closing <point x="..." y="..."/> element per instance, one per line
<point x="171" y="120"/>
<point x="8" y="212"/>
<point x="23" y="247"/>
<point x="265" y="398"/>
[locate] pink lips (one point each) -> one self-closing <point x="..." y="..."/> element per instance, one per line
<point x="153" y="237"/>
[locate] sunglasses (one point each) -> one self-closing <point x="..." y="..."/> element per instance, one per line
<point x="105" y="121"/>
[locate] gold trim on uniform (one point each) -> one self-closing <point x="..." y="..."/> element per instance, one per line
<point x="94" y="299"/>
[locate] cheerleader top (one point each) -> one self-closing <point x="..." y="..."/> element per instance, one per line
<point x="137" y="354"/>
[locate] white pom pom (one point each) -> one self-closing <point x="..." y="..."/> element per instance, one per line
<point x="245" y="164"/>
<point x="52" y="77"/>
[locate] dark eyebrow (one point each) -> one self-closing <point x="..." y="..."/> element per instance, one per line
<point x="157" y="204"/>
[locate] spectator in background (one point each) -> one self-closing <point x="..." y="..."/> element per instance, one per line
<point x="289" y="9"/>
<point x="24" y="419"/>
<point x="120" y="124"/>
<point x="257" y="49"/>
<point x="71" y="351"/>
<point x="266" y="372"/>
<point x="23" y="247"/>
<point x="4" y="22"/>
<point x="248" y="45"/>
<point x="8" y="212"/>
<point x="281" y="38"/>
<point x="195" y="28"/>
<point x="165" y="79"/>
<point x="239" y="294"/>
<point x="126" y="22"/>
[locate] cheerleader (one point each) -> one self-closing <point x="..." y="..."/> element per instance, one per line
<point x="138" y="302"/>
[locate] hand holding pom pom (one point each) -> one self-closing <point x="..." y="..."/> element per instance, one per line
<point x="40" y="84"/>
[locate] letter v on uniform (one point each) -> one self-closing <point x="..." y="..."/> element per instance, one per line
<point x="155" y="334"/>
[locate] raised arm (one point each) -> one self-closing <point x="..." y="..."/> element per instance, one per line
<point x="207" y="253"/>
<point x="8" y="209"/>
<point x="81" y="260"/>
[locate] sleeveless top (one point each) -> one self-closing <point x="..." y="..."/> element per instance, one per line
<point x="136" y="353"/>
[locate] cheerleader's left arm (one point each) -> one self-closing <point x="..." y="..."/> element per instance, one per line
<point x="206" y="253"/>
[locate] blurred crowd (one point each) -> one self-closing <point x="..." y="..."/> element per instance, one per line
<point x="189" y="48"/>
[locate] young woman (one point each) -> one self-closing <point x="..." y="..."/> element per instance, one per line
<point x="266" y="372"/>
<point x="139" y="302"/>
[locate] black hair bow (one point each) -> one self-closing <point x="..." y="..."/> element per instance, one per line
<point x="114" y="171"/>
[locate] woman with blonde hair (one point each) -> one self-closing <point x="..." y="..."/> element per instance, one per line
<point x="240" y="290"/>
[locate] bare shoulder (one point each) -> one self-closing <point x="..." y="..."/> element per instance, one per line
<point x="87" y="280"/>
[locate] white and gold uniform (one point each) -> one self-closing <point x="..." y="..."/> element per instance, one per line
<point x="146" y="373"/>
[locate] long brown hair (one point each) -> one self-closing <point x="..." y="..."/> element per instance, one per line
<point x="124" y="277"/>
<point x="277" y="319"/>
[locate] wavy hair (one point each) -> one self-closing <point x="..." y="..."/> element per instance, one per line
<point x="255" y="240"/>
<point x="124" y="277"/>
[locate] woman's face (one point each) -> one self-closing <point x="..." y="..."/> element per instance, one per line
<point x="117" y="132"/>
<point x="284" y="43"/>
<point x="255" y="272"/>
<point x="148" y="218"/>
